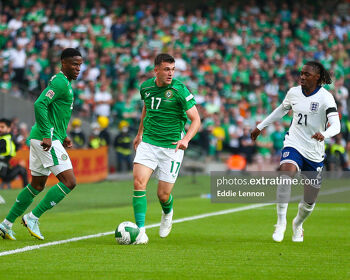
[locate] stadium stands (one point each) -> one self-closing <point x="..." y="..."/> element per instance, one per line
<point x="237" y="58"/>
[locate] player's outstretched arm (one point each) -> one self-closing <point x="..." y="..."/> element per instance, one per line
<point x="138" y="137"/>
<point x="276" y="115"/>
<point x="193" y="115"/>
<point x="255" y="133"/>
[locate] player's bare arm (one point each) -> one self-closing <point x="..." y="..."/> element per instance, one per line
<point x="318" y="136"/>
<point x="67" y="143"/>
<point x="138" y="137"/>
<point x="46" y="144"/>
<point x="193" y="115"/>
<point x="255" y="133"/>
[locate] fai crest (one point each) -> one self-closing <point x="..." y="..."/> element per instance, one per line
<point x="168" y="94"/>
<point x="64" y="157"/>
<point x="314" y="107"/>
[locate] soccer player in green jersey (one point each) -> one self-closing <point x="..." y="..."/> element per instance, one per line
<point x="48" y="140"/>
<point x="161" y="140"/>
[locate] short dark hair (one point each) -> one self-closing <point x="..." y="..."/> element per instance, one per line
<point x="6" y="121"/>
<point x="163" y="57"/>
<point x="325" y="76"/>
<point x="69" y="52"/>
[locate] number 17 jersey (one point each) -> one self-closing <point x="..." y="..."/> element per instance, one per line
<point x="310" y="115"/>
<point x="165" y="112"/>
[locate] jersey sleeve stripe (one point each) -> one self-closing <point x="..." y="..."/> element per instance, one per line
<point x="330" y="110"/>
<point x="188" y="98"/>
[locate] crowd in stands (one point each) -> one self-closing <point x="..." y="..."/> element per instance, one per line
<point x="239" y="58"/>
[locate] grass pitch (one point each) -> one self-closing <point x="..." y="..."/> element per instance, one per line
<point x="231" y="246"/>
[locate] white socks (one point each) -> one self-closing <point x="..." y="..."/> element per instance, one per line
<point x="283" y="197"/>
<point x="282" y="213"/>
<point x="304" y="211"/>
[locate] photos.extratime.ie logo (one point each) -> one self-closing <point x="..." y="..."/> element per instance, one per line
<point x="262" y="181"/>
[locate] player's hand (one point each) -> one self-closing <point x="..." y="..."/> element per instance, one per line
<point x="255" y="133"/>
<point x="181" y="144"/>
<point x="46" y="144"/>
<point x="137" y="141"/>
<point x="67" y="143"/>
<point x="318" y="136"/>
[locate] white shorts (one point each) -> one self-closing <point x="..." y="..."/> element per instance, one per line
<point x="42" y="163"/>
<point x="164" y="161"/>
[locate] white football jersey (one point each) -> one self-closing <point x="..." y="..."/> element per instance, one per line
<point x="310" y="115"/>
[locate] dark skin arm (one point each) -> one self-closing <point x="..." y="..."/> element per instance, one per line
<point x="255" y="133"/>
<point x="67" y="143"/>
<point x="47" y="143"/>
<point x="318" y="136"/>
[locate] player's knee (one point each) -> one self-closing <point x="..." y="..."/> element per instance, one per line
<point x="71" y="184"/>
<point x="139" y="184"/>
<point x="38" y="187"/>
<point x="163" y="196"/>
<point x="288" y="169"/>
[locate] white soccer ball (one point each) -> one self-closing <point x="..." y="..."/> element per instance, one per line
<point x="126" y="233"/>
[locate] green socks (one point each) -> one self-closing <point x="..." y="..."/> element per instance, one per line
<point x="23" y="200"/>
<point x="53" y="197"/>
<point x="139" y="202"/>
<point x="168" y="205"/>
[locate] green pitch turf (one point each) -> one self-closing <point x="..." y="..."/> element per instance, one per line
<point x="231" y="246"/>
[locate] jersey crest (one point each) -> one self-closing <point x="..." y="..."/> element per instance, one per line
<point x="168" y="94"/>
<point x="314" y="107"/>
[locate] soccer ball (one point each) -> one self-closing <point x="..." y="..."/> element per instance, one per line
<point x="126" y="233"/>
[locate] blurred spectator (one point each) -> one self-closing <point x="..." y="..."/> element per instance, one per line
<point x="264" y="146"/>
<point x="277" y="138"/>
<point x="77" y="134"/>
<point x="22" y="140"/>
<point x="103" y="101"/>
<point x="51" y="28"/>
<point x="338" y="155"/>
<point x="5" y="84"/>
<point x="235" y="131"/>
<point x="104" y="134"/>
<point x="95" y="141"/>
<point x="32" y="76"/>
<point x="7" y="151"/>
<point x="246" y="145"/>
<point x="18" y="61"/>
<point x="219" y="137"/>
<point x="129" y="112"/>
<point x="341" y="95"/>
<point x="15" y="23"/>
<point x="123" y="147"/>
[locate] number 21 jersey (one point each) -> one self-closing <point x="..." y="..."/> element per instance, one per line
<point x="310" y="115"/>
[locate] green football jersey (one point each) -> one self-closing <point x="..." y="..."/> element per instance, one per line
<point x="165" y="112"/>
<point x="53" y="110"/>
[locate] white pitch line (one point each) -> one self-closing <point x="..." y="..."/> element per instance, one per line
<point x="197" y="217"/>
<point x="202" y="216"/>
